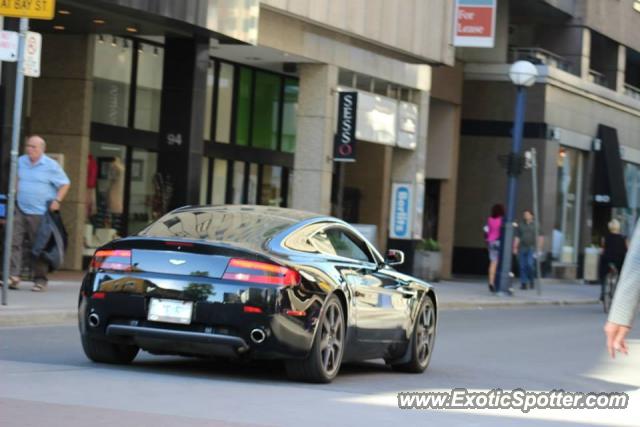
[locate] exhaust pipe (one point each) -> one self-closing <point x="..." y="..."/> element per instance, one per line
<point x="258" y="336"/>
<point x="94" y="320"/>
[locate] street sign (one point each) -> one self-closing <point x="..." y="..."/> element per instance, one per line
<point x="32" y="50"/>
<point x="8" y="46"/>
<point x="32" y="9"/>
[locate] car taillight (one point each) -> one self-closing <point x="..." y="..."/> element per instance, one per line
<point x="112" y="259"/>
<point x="260" y="272"/>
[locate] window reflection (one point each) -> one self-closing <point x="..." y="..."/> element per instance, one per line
<point x="225" y="97"/>
<point x="219" y="188"/>
<point x="565" y="241"/>
<point x="149" y="87"/>
<point x="111" y="80"/>
<point x="142" y="190"/>
<point x="206" y="134"/>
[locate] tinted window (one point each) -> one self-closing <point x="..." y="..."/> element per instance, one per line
<point x="337" y="241"/>
<point x="234" y="225"/>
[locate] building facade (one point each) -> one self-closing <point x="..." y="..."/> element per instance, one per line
<point x="583" y="119"/>
<point x="154" y="105"/>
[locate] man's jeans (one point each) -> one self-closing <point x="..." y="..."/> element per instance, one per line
<point x="527" y="265"/>
<point x="23" y="226"/>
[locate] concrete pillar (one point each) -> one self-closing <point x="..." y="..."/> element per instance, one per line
<point x="409" y="166"/>
<point x="181" y="119"/>
<point x="67" y="62"/>
<point x="585" y="60"/>
<point x="448" y="191"/>
<point x="313" y="165"/>
<point x="621" y="68"/>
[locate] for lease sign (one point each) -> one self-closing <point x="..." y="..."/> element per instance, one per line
<point x="475" y="23"/>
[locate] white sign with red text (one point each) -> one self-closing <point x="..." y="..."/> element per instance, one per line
<point x="475" y="23"/>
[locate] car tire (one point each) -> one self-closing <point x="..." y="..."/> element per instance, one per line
<point x="107" y="352"/>
<point x="422" y="340"/>
<point x="324" y="360"/>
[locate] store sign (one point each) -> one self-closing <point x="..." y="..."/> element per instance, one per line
<point x="401" y="211"/>
<point x="475" y="23"/>
<point x="32" y="9"/>
<point x="8" y="46"/>
<point x="407" y="125"/>
<point x="377" y="117"/>
<point x="345" y="139"/>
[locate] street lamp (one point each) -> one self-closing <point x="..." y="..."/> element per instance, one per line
<point x="523" y="74"/>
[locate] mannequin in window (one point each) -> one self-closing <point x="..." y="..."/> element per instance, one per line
<point x="115" y="194"/>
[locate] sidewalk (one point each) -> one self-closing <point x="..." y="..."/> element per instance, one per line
<point x="59" y="304"/>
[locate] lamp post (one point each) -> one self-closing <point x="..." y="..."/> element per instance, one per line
<point x="523" y="74"/>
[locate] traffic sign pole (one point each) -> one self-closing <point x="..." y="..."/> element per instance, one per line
<point x="17" y="119"/>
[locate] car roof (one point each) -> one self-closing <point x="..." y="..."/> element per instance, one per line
<point x="293" y="215"/>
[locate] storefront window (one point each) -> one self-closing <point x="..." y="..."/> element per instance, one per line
<point x="143" y="190"/>
<point x="266" y="111"/>
<point x="219" y="187"/>
<point x="629" y="216"/>
<point x="149" y="87"/>
<point x="252" y="184"/>
<point x="208" y="102"/>
<point x="204" y="181"/>
<point x="105" y="194"/>
<point x="243" y="107"/>
<point x="289" y="119"/>
<point x="111" y="80"/>
<point x="238" y="182"/>
<point x="225" y="97"/>
<point x="271" y="186"/>
<point x="566" y="229"/>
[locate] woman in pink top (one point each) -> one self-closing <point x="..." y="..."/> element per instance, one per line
<point x="493" y="230"/>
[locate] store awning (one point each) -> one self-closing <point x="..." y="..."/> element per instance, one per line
<point x="609" y="187"/>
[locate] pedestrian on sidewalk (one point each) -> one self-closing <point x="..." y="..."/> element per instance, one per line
<point x="626" y="299"/>
<point x="613" y="250"/>
<point x="526" y="246"/>
<point x="493" y="229"/>
<point x="42" y="184"/>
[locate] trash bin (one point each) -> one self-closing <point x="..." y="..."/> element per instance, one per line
<point x="591" y="263"/>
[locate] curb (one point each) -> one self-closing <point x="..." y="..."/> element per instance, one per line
<point x="39" y="318"/>
<point x="500" y="304"/>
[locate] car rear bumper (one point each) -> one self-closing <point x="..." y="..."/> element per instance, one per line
<point x="218" y="327"/>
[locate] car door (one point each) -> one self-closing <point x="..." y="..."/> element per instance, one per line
<point x="380" y="309"/>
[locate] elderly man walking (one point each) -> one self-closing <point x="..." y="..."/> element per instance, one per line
<point x="41" y="183"/>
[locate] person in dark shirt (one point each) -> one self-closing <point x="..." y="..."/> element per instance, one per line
<point x="614" y="249"/>
<point x="525" y="246"/>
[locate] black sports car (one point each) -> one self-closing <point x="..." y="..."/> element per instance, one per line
<point x="255" y="282"/>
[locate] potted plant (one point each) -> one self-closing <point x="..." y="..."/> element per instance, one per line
<point x="428" y="260"/>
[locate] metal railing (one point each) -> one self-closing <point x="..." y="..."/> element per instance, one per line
<point x="536" y="54"/>
<point x="598" y="78"/>
<point x="632" y="91"/>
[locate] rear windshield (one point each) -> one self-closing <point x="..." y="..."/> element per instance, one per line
<point x="248" y="228"/>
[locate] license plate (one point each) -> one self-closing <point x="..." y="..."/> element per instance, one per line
<point x="170" y="311"/>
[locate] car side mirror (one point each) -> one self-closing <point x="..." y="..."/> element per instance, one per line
<point x="394" y="257"/>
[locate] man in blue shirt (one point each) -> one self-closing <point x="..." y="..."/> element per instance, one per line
<point x="40" y="180"/>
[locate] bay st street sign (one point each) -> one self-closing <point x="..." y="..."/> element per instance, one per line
<point x="32" y="9"/>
